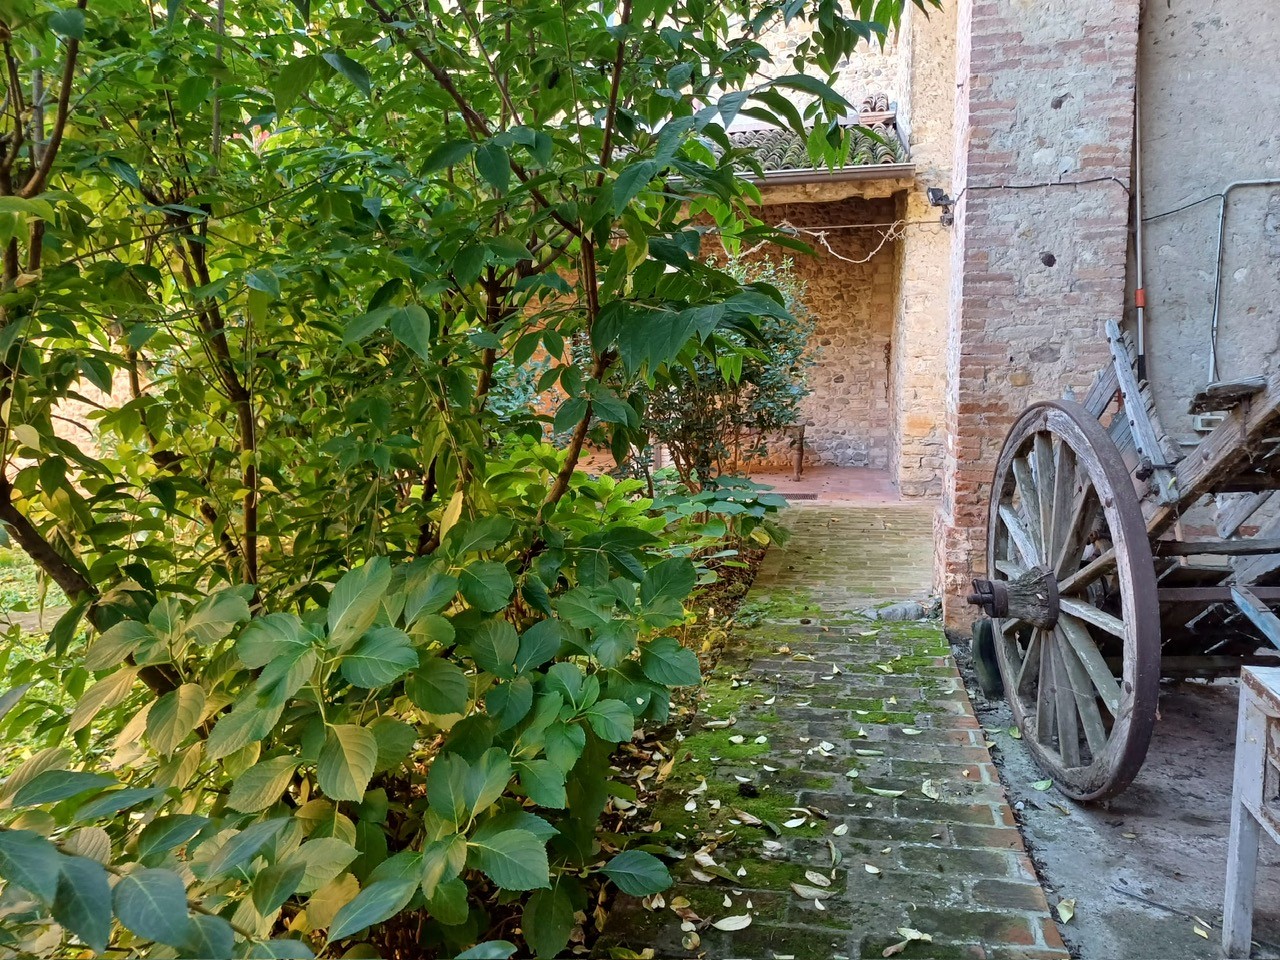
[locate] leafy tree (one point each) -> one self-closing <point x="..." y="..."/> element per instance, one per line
<point x="722" y="409"/>
<point x="346" y="658"/>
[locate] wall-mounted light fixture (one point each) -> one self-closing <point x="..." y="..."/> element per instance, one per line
<point x="938" y="198"/>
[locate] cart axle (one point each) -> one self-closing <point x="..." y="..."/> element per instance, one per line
<point x="1032" y="597"/>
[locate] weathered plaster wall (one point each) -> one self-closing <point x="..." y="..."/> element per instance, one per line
<point x="1044" y="119"/>
<point x="849" y="412"/>
<point x="1209" y="86"/>
<point x="871" y="69"/>
<point x="927" y="68"/>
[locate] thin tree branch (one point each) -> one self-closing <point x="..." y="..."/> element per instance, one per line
<point x="50" y="151"/>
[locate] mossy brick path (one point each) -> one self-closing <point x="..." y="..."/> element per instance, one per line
<point x="827" y="708"/>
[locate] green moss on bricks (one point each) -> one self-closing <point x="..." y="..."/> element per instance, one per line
<point x="706" y="744"/>
<point x="879" y="717"/>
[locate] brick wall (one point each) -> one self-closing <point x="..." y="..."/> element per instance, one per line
<point x="848" y="413"/>
<point x="1044" y="95"/>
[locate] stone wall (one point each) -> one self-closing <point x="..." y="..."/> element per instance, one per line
<point x="927" y="64"/>
<point x="849" y="412"/>
<point x="1044" y="121"/>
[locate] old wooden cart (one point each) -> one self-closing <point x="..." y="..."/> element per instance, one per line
<point x="1113" y="563"/>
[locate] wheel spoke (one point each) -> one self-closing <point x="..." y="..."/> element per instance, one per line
<point x="1030" y="667"/>
<point x="1090" y="657"/>
<point x="1045" y="714"/>
<point x="1073" y="539"/>
<point x="1010" y="569"/>
<point x="1064" y="706"/>
<point x="1030" y="506"/>
<point x="1091" y="614"/>
<point x="1010" y="623"/>
<point x="1086" y="575"/>
<point x="1019" y="536"/>
<point x="1095" y="734"/>
<point x="1064" y="483"/>
<point x="1045" y="483"/>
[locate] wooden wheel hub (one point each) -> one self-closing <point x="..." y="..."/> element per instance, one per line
<point x="1031" y="596"/>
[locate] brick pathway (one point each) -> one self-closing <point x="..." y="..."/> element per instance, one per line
<point x="839" y="755"/>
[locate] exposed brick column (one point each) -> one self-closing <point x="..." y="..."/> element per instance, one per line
<point x="1044" y="96"/>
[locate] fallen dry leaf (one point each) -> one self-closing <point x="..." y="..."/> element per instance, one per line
<point x="841" y="830"/>
<point x="811" y="893"/>
<point x="817" y="879"/>
<point x="929" y="790"/>
<point x="733" y="923"/>
<point x="1066" y="909"/>
<point x="871" y="869"/>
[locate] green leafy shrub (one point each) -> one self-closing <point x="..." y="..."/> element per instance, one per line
<point x="347" y="649"/>
<point x="721" y="410"/>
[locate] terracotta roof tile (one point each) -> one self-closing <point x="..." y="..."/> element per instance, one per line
<point x="871" y="138"/>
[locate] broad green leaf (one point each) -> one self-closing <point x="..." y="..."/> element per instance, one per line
<point x="164" y="833"/>
<point x="350" y="69"/>
<point x="108" y="692"/>
<point x="581" y="607"/>
<point x="447" y="787"/>
<point x="442" y="860"/>
<point x="115" y="645"/>
<point x="347" y="761"/>
<point x="612" y="720"/>
<point x="411" y="325"/>
<point x="510" y="702"/>
<point x="379" y="657"/>
<point x="377" y="902"/>
<point x="83" y="901"/>
<point x="439" y="687"/>
<point x="493" y="646"/>
<point x="210" y="937"/>
<point x="564" y="744"/>
<point x="539" y="644"/>
<point x="174" y="717"/>
<point x="237" y="729"/>
<point x="68" y="22"/>
<point x="638" y="873"/>
<point x="54" y="785"/>
<point x="487" y="779"/>
<point x="276" y="884"/>
<point x="448" y="154"/>
<point x="664" y="660"/>
<point x="283" y="949"/>
<point x="213" y="618"/>
<point x="30" y="861"/>
<point x="513" y="859"/>
<point x="244" y="846"/>
<point x="448" y="903"/>
<point x="486" y="585"/>
<point x="273" y="637"/>
<point x="262" y="784"/>
<point x="323" y="859"/>
<point x="672" y="578"/>
<point x="547" y="921"/>
<point x="543" y="782"/>
<point x="493" y="164"/>
<point x="354" y="603"/>
<point x="152" y="903"/>
<point x="489" y="950"/>
<point x="395" y="740"/>
<point x="113" y="801"/>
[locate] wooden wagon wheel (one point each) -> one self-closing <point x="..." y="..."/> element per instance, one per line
<point x="1073" y="586"/>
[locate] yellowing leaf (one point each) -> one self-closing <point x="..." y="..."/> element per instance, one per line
<point x="1042" y="784"/>
<point x="1015" y="733"/>
<point x="1066" y="909"/>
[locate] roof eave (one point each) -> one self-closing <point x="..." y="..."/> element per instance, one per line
<point x="865" y="172"/>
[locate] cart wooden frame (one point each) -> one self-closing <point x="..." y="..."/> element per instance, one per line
<point x="1113" y="562"/>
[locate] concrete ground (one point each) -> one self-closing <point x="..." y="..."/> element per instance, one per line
<point x="1147" y="868"/>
